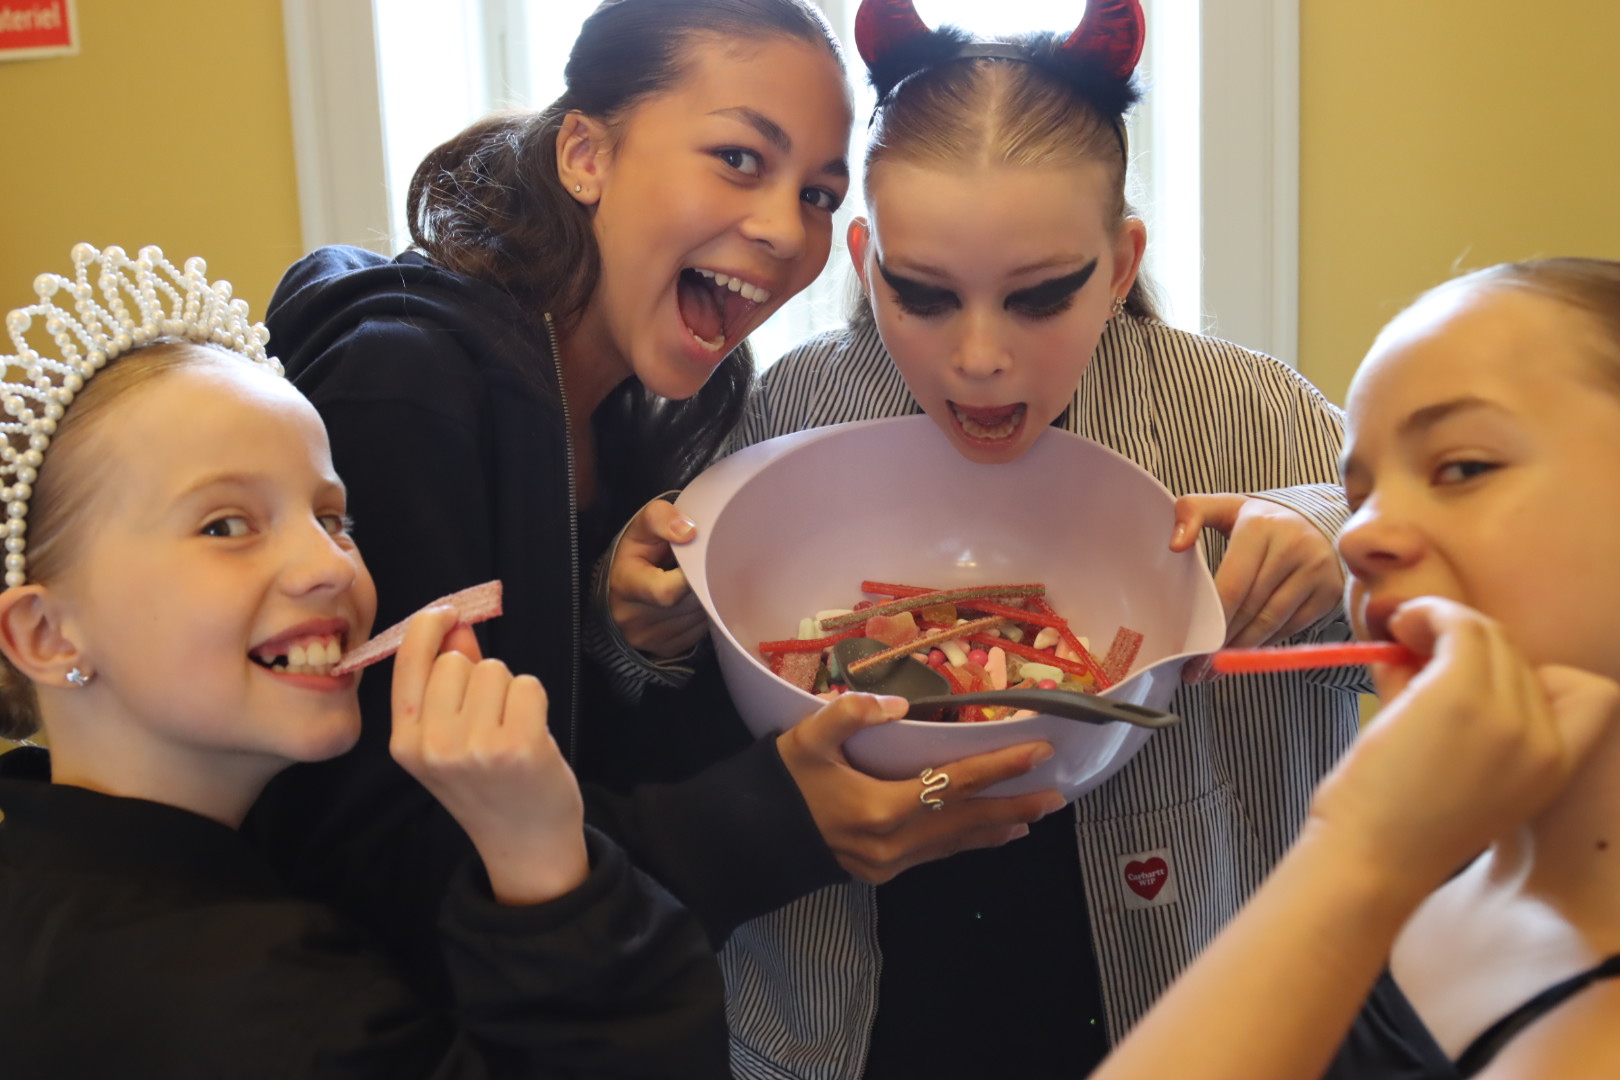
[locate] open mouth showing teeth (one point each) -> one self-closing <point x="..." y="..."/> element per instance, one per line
<point x="995" y="423"/>
<point x="714" y="305"/>
<point x="307" y="656"/>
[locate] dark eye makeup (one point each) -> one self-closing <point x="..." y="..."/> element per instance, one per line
<point x="1053" y="295"/>
<point x="1046" y="298"/>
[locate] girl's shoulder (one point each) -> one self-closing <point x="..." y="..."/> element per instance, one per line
<point x="852" y="349"/>
<point x="1191" y="358"/>
<point x="352" y="324"/>
<point x="832" y="378"/>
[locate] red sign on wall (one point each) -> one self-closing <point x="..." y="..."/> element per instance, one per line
<point x="34" y="28"/>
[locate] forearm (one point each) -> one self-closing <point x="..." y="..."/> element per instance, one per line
<point x="1275" y="993"/>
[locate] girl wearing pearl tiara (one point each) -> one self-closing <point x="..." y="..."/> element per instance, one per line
<point x="1002" y="296"/>
<point x="180" y="586"/>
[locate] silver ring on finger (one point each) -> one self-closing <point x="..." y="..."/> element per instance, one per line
<point x="933" y="783"/>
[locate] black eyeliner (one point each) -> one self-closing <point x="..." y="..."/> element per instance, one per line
<point x="915" y="293"/>
<point x="1054" y="291"/>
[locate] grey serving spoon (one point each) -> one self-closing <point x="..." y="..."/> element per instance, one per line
<point x="928" y="691"/>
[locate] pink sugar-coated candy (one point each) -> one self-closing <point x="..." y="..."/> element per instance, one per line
<point x="979" y="656"/>
<point x="1047" y="684"/>
<point x="936" y="658"/>
<point x="472" y="605"/>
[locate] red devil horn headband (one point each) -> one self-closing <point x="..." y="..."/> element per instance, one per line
<point x="1110" y="35"/>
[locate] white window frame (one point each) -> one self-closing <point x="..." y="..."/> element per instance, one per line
<point x="1248" y="161"/>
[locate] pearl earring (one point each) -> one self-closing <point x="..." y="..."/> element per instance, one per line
<point x="576" y="187"/>
<point x="78" y="677"/>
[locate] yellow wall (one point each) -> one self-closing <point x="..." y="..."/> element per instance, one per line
<point x="171" y="127"/>
<point x="1434" y="133"/>
<point x="1446" y="134"/>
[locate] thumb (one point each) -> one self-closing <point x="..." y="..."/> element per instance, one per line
<point x="825" y="731"/>
<point x="1583" y="706"/>
<point x="659" y="521"/>
<point x="1197" y="512"/>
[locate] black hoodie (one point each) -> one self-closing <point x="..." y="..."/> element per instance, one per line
<point x="449" y="429"/>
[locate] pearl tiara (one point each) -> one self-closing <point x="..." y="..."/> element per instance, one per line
<point x="36" y="389"/>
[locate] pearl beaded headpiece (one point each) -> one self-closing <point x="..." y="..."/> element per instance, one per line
<point x="36" y="389"/>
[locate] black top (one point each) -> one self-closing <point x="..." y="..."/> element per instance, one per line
<point x="449" y="428"/>
<point x="1390" y="1042"/>
<point x="140" y="940"/>
<point x="988" y="968"/>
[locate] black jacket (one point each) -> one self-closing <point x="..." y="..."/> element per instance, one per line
<point x="138" y="941"/>
<point x="448" y="427"/>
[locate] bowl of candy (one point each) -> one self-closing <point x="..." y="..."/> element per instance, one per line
<point x="1051" y="571"/>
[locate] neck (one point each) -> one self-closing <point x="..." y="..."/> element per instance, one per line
<point x="116" y="757"/>
<point x="591" y="364"/>
<point x="1569" y="856"/>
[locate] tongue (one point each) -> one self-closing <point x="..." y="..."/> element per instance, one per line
<point x="736" y="308"/>
<point x="989" y="417"/>
<point x="700" y="307"/>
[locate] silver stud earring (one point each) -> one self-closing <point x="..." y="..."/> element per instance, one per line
<point x="78" y="677"/>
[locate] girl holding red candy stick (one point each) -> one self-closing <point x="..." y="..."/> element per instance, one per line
<point x="175" y="616"/>
<point x="1000" y="266"/>
<point x="1477" y="479"/>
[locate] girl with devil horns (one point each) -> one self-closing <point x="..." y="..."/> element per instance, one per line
<point x="1000" y="267"/>
<point x="564" y="341"/>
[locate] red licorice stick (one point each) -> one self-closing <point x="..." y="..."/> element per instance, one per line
<point x="928" y="598"/>
<point x="807" y="644"/>
<point x="1306" y="657"/>
<point x="472" y="605"/>
<point x="924" y="643"/>
<point x="1085" y="658"/>
<point x="988" y="607"/>
<point x="1030" y="653"/>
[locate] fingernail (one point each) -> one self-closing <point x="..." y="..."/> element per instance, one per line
<point x="1040" y="756"/>
<point x="684" y="529"/>
<point x="893" y="706"/>
<point x="1018" y="833"/>
<point x="1054" y="802"/>
<point x="1181" y="530"/>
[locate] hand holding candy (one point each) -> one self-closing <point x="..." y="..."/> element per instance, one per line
<point x="475" y="736"/>
<point x="649" y="601"/>
<point x="1280" y="573"/>
<point x="1467" y="746"/>
<point x="877" y="828"/>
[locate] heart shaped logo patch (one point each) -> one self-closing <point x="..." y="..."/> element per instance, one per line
<point x="1145" y="879"/>
<point x="1149" y="879"/>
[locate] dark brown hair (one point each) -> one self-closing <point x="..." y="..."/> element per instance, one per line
<point x="489" y="204"/>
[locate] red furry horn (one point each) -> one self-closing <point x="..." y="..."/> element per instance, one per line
<point x="880" y="25"/>
<point x="1111" y="35"/>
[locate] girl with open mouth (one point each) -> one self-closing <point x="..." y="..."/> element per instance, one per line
<point x="1000" y="265"/>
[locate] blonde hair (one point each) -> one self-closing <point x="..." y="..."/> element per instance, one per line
<point x="68" y="483"/>
<point x="1588" y="285"/>
<point x="994" y="112"/>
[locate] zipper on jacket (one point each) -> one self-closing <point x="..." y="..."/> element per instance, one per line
<point x="573" y="548"/>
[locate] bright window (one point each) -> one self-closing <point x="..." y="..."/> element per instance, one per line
<point x="1222" y="223"/>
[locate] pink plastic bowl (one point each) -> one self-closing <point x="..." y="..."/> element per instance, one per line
<point x="792" y="526"/>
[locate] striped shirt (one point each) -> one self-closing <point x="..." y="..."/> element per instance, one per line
<point x="1174" y="843"/>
